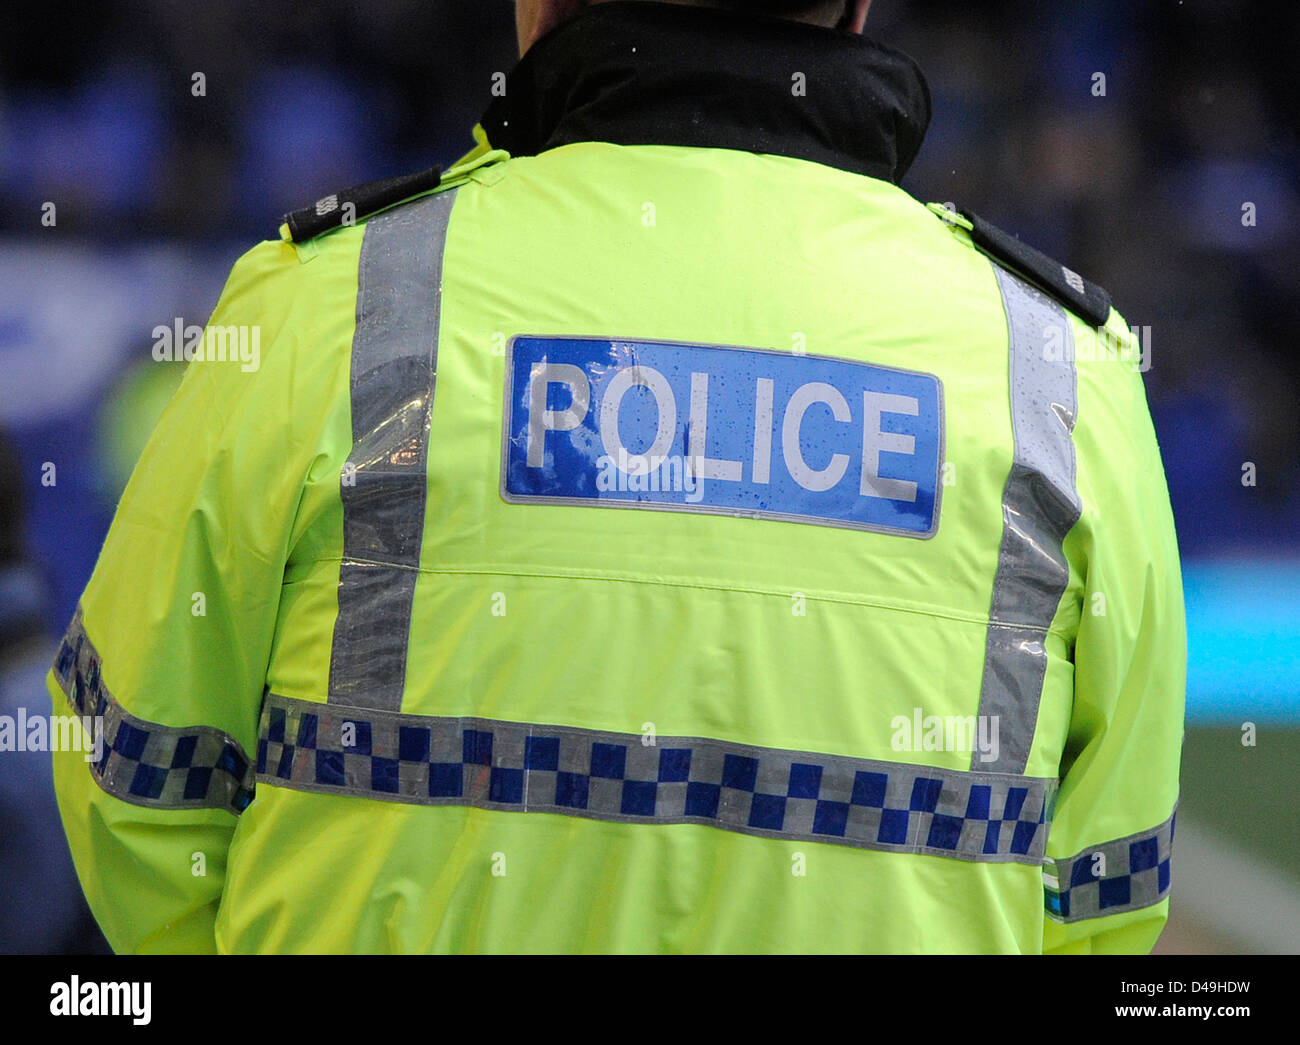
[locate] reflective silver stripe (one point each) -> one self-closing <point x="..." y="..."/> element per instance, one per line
<point x="1125" y="874"/>
<point x="383" y="486"/>
<point x="146" y="763"/>
<point x="533" y="768"/>
<point x="1039" y="506"/>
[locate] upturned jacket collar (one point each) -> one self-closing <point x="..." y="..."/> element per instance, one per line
<point x="643" y="73"/>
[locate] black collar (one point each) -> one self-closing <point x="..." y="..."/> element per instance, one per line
<point x="666" y="74"/>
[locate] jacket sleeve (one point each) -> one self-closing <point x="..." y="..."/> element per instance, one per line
<point x="169" y="646"/>
<point x="1108" y="875"/>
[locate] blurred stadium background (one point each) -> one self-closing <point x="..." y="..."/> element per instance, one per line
<point x="158" y="189"/>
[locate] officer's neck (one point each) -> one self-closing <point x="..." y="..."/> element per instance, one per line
<point x="644" y="73"/>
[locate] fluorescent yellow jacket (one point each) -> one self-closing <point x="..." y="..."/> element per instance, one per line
<point x="642" y="541"/>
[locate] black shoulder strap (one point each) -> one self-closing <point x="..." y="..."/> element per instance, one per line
<point x="1067" y="286"/>
<point x="360" y="201"/>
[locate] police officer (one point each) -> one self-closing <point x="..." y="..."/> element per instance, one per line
<point x="658" y="532"/>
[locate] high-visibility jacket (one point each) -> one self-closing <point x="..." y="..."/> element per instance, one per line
<point x="664" y="534"/>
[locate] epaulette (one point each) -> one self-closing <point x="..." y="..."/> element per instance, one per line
<point x="360" y="201"/>
<point x="1086" y="299"/>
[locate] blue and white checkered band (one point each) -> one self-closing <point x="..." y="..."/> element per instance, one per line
<point x="147" y="763"/>
<point x="1121" y="875"/>
<point x="536" y="768"/>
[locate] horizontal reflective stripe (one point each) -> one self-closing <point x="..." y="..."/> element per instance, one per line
<point x="145" y="763"/>
<point x="1117" y="876"/>
<point x="521" y="767"/>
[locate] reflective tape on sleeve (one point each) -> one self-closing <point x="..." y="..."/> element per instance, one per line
<point x="1039" y="506"/>
<point x="1126" y="874"/>
<point x="146" y="763"/>
<point x="535" y="768"/>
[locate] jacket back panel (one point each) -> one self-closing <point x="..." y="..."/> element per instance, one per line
<point x="661" y="623"/>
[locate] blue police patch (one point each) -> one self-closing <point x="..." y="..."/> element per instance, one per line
<point x="728" y="431"/>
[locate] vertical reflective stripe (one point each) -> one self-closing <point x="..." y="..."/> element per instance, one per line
<point x="383" y="486"/>
<point x="1039" y="506"/>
